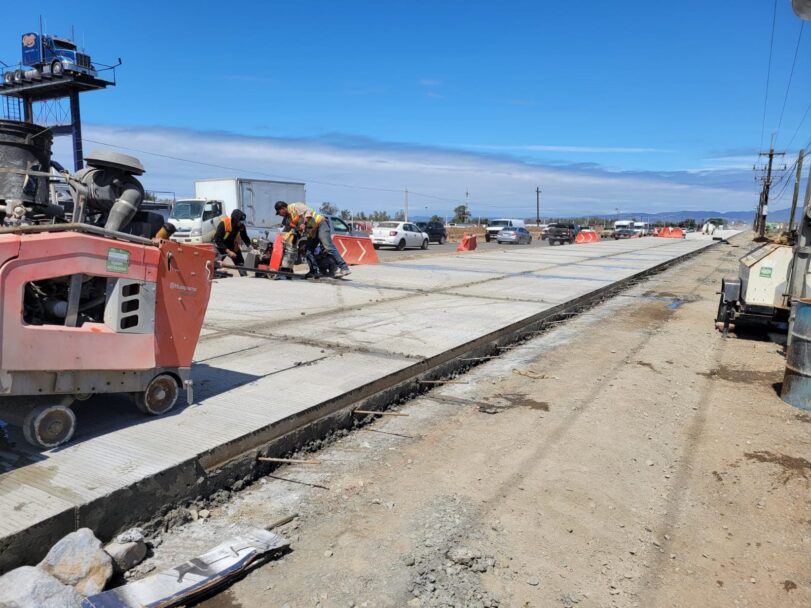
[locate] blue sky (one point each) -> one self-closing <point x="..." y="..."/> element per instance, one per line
<point x="636" y="105"/>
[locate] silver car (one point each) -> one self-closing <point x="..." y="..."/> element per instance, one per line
<point x="514" y="235"/>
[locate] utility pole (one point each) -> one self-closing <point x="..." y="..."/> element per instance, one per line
<point x="802" y="257"/>
<point x="467" y="205"/>
<point x="796" y="191"/>
<point x="538" y="207"/>
<point x="763" y="203"/>
<point x="405" y="205"/>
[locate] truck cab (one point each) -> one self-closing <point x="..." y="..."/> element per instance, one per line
<point x="54" y="55"/>
<point x="196" y="220"/>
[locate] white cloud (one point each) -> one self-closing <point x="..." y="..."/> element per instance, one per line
<point x="362" y="174"/>
<point x="576" y="149"/>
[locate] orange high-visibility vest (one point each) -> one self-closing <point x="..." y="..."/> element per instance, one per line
<point x="228" y="227"/>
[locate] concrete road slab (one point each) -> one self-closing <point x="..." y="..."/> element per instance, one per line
<point x="276" y="356"/>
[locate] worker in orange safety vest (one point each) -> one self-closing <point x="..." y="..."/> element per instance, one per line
<point x="315" y="226"/>
<point x="226" y="238"/>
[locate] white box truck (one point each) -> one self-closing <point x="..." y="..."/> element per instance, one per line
<point x="197" y="219"/>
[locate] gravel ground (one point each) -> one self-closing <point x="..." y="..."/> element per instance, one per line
<point x="628" y="457"/>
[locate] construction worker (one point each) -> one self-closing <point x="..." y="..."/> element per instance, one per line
<point x="312" y="224"/>
<point x="226" y="238"/>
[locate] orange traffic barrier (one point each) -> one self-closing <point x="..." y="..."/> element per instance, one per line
<point x="355" y="249"/>
<point x="587" y="236"/>
<point x="671" y="233"/>
<point x="656" y="231"/>
<point x="468" y="243"/>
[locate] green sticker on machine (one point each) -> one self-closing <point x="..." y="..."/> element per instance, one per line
<point x="118" y="260"/>
<point x="766" y="272"/>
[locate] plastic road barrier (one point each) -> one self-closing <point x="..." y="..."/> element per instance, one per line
<point x="468" y="243"/>
<point x="587" y="236"/>
<point x="671" y="233"/>
<point x="355" y="249"/>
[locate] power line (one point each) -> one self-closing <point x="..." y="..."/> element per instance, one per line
<point x="789" y="173"/>
<point x="285" y="177"/>
<point x="244" y="170"/>
<point x="802" y="120"/>
<point x="791" y="75"/>
<point x="271" y="175"/>
<point x="768" y="76"/>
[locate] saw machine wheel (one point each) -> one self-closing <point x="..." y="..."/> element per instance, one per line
<point x="48" y="426"/>
<point x="159" y="397"/>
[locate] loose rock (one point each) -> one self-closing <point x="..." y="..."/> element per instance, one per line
<point x="29" y="587"/>
<point x="79" y="560"/>
<point x="133" y="535"/>
<point x="126" y="555"/>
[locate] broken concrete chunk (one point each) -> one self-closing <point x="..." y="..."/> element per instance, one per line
<point x="133" y="535"/>
<point x="29" y="587"/>
<point x="461" y="555"/>
<point x="126" y="555"/>
<point x="79" y="560"/>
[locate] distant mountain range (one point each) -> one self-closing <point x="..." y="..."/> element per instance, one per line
<point x="779" y="215"/>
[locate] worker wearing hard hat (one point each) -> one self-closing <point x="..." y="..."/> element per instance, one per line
<point x="226" y="238"/>
<point x="303" y="219"/>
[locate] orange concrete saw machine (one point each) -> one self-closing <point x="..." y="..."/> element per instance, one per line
<point x="97" y="304"/>
<point x="85" y="310"/>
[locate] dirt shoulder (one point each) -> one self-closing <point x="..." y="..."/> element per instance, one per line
<point x="630" y="457"/>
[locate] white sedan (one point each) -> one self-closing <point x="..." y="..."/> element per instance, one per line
<point x="399" y="235"/>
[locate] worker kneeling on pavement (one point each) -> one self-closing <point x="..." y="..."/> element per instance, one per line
<point x="226" y="238"/>
<point x="306" y="221"/>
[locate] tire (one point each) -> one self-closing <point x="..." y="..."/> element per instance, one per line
<point x="486" y="238"/>
<point x="424" y="244"/>
<point x="159" y="397"/>
<point x="57" y="69"/>
<point x="376" y="246"/>
<point x="442" y="240"/>
<point x="48" y="426"/>
<point x="401" y="245"/>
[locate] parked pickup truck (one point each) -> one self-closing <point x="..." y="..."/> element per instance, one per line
<point x="561" y="233"/>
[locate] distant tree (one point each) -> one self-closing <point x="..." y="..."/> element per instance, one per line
<point x="150" y="196"/>
<point x="328" y="208"/>
<point x="379" y="216"/>
<point x="399" y="216"/>
<point x="437" y="218"/>
<point x="346" y="215"/>
<point x="460" y="215"/>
